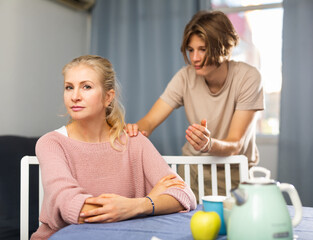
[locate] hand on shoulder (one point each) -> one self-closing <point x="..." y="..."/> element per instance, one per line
<point x="132" y="130"/>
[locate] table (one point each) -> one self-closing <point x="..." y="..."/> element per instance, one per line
<point x="166" y="227"/>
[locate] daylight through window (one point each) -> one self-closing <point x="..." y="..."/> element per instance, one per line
<point x="260" y="31"/>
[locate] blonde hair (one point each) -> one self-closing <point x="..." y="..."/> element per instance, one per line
<point x="217" y="32"/>
<point x="115" y="114"/>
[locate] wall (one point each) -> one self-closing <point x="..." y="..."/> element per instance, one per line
<point x="37" y="38"/>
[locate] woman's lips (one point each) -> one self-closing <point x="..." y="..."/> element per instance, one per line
<point x="77" y="108"/>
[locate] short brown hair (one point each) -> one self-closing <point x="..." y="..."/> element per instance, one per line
<point x="218" y="33"/>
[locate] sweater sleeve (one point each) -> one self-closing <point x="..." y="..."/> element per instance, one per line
<point x="63" y="197"/>
<point x="155" y="168"/>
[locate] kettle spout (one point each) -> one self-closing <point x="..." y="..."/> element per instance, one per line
<point x="240" y="196"/>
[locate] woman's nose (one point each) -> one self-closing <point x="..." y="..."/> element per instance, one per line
<point x="76" y="96"/>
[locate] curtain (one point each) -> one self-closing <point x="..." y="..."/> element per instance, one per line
<point x="295" y="160"/>
<point x="142" y="40"/>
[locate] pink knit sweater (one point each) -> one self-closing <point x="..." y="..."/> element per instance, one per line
<point x="73" y="171"/>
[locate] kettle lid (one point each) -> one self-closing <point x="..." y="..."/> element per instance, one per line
<point x="260" y="180"/>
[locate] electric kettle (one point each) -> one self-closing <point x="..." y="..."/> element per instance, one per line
<point x="260" y="211"/>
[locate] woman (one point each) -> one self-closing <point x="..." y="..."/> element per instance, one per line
<point x="220" y="96"/>
<point x="91" y="171"/>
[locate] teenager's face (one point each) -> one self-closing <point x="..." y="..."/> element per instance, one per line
<point x="83" y="94"/>
<point x="196" y="49"/>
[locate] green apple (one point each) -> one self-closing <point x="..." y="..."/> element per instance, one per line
<point x="205" y="225"/>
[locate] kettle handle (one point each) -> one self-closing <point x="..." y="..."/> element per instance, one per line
<point x="295" y="200"/>
<point x="259" y="169"/>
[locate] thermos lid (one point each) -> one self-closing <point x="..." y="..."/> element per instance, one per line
<point x="259" y="180"/>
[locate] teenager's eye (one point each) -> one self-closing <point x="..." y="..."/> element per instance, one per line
<point x="189" y="49"/>
<point x="202" y="49"/>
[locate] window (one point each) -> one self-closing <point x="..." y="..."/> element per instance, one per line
<point x="259" y="26"/>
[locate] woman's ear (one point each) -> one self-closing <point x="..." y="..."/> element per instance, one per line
<point x="109" y="96"/>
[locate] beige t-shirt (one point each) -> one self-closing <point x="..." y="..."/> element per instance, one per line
<point x="242" y="91"/>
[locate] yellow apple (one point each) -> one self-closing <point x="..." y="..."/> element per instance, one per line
<point x="205" y="225"/>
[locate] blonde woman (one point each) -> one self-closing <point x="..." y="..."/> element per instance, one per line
<point x="91" y="171"/>
<point x="221" y="97"/>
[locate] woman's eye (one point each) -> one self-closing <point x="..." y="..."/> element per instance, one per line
<point x="68" y="88"/>
<point x="202" y="49"/>
<point x="190" y="50"/>
<point x="87" y="87"/>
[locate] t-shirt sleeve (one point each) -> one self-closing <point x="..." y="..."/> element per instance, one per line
<point x="63" y="198"/>
<point x="174" y="92"/>
<point x="155" y="168"/>
<point x="251" y="96"/>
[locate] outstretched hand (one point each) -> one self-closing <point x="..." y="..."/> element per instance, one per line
<point x="198" y="136"/>
<point x="132" y="129"/>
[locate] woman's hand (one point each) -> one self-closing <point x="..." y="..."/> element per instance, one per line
<point x="165" y="183"/>
<point x="132" y="129"/>
<point x="199" y="136"/>
<point x="111" y="208"/>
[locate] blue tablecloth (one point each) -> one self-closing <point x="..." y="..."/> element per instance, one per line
<point x="166" y="227"/>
